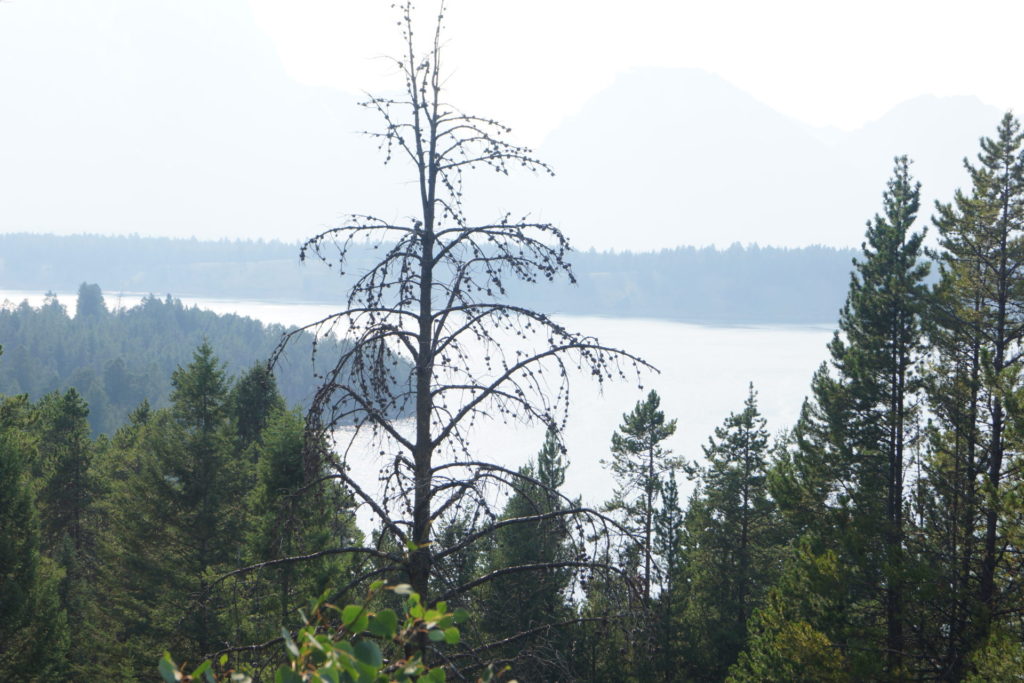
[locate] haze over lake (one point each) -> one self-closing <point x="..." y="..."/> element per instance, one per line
<point x="705" y="371"/>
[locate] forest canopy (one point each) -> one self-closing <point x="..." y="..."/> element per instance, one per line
<point x="118" y="358"/>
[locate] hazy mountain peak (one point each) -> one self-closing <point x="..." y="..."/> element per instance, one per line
<point x="682" y="156"/>
<point x="936" y="132"/>
<point x="176" y="118"/>
<point x="641" y="97"/>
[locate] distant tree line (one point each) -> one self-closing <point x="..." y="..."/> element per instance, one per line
<point x="116" y="359"/>
<point x="739" y="284"/>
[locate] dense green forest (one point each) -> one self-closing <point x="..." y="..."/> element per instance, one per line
<point x="740" y="284"/>
<point x="879" y="538"/>
<point x="875" y="540"/>
<point x="117" y="359"/>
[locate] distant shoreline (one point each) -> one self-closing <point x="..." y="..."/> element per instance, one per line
<point x="739" y="285"/>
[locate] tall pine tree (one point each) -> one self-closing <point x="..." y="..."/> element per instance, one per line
<point x="978" y="334"/>
<point x="841" y="485"/>
<point x="876" y="355"/>
<point x="639" y="464"/>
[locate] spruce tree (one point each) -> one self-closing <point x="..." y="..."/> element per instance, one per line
<point x="254" y="401"/>
<point x="177" y="522"/>
<point x="519" y="603"/>
<point x="292" y="516"/>
<point x="67" y="492"/>
<point x="65" y="455"/>
<point x="33" y="627"/>
<point x="730" y="541"/>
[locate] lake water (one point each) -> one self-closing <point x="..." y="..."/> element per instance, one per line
<point x="705" y="371"/>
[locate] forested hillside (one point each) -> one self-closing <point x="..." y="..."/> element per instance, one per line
<point x="117" y="359"/>
<point x="112" y="547"/>
<point x="736" y="285"/>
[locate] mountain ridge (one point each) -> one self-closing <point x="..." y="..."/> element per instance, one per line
<point x="108" y="136"/>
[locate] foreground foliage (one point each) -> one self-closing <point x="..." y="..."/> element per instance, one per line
<point x="352" y="644"/>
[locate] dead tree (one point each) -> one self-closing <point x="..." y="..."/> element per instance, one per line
<point x="432" y="334"/>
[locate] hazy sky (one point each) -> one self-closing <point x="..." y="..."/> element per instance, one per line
<point x="235" y="118"/>
<point x="824" y="62"/>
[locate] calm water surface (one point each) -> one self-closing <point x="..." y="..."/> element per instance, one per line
<point x="704" y="374"/>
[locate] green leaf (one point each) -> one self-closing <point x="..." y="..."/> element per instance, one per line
<point x="289" y="644"/>
<point x="168" y="669"/>
<point x="286" y="675"/>
<point x="355" y="618"/>
<point x="437" y="675"/>
<point x="350" y="614"/>
<point x="223" y="660"/>
<point x="384" y="624"/>
<point x="461" y="616"/>
<point x="367" y="673"/>
<point x="451" y="635"/>
<point x="414" y="607"/>
<point x="331" y="674"/>
<point x="442" y="606"/>
<point x="376" y="586"/>
<point x="367" y="652"/>
<point x="435" y="635"/>
<point x="201" y="669"/>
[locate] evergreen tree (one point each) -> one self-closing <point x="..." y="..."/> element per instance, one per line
<point x="292" y="517"/>
<point x="978" y="332"/>
<point x="876" y="353"/>
<point x="852" y="440"/>
<point x="669" y="530"/>
<point x="730" y="542"/>
<point x="115" y="630"/>
<point x="65" y="454"/>
<point x="517" y="604"/>
<point x="604" y="648"/>
<point x="178" y="522"/>
<point x="253" y="402"/>
<point x="33" y="628"/>
<point x="786" y="641"/>
<point x="66" y="502"/>
<point x="639" y="463"/>
<point x="90" y="302"/>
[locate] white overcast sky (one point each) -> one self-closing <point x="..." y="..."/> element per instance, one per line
<point x="235" y="118"/>
<point x="533" y="62"/>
